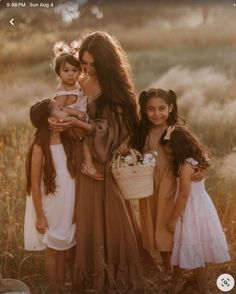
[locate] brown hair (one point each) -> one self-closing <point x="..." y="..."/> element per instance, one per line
<point x="144" y="124"/>
<point x="39" y="114"/>
<point x="184" y="145"/>
<point x="114" y="76"/>
<point x="61" y="59"/>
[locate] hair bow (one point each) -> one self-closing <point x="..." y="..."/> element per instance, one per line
<point x="169" y="131"/>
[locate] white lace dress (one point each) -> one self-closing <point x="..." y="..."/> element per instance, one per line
<point x="198" y="238"/>
<point x="58" y="210"/>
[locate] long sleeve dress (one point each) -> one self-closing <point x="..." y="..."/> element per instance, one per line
<point x="108" y="251"/>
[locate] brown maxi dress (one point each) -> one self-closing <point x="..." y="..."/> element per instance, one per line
<point x="108" y="248"/>
<point x="155" y="210"/>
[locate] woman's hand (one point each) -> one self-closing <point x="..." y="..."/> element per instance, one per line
<point x="198" y="175"/>
<point x="63" y="124"/>
<point x="171" y="226"/>
<point x="41" y="224"/>
<point x="77" y="134"/>
<point x="123" y="149"/>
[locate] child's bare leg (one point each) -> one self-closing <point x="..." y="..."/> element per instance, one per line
<point x="165" y="256"/>
<point x="61" y="269"/>
<point x="177" y="280"/>
<point x="202" y="279"/>
<point x="70" y="258"/>
<point x="88" y="167"/>
<point x="51" y="256"/>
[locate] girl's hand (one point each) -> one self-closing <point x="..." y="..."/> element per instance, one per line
<point x="171" y="226"/>
<point x="123" y="149"/>
<point x="41" y="225"/>
<point x="198" y="175"/>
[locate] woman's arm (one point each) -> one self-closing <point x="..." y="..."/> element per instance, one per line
<point x="36" y="175"/>
<point x="80" y="128"/>
<point x="185" y="175"/>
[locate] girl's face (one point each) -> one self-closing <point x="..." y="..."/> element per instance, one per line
<point x="57" y="110"/>
<point x="157" y="111"/>
<point x="69" y="74"/>
<point x="88" y="63"/>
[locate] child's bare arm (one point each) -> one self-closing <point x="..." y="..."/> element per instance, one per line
<point x="36" y="175"/>
<point x="76" y="113"/>
<point x="184" y="186"/>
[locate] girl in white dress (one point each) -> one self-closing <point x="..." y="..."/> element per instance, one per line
<point x="70" y="95"/>
<point x="50" y="175"/>
<point x="198" y="235"/>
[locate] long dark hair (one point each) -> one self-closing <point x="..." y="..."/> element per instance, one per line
<point x="114" y="76"/>
<point x="144" y="124"/>
<point x="183" y="145"/>
<point x="39" y="114"/>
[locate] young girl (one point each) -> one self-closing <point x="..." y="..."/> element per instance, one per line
<point x="69" y="94"/>
<point x="158" y="110"/>
<point x="198" y="237"/>
<point x="50" y="175"/>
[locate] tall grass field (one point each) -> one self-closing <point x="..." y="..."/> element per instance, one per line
<point x="189" y="48"/>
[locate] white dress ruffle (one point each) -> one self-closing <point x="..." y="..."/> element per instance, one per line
<point x="58" y="210"/>
<point x="199" y="237"/>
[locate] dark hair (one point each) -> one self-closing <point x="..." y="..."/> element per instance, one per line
<point x="183" y="145"/>
<point x="39" y="114"/>
<point x="114" y="76"/>
<point x="144" y="124"/>
<point x="62" y="59"/>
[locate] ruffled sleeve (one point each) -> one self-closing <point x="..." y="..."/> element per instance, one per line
<point x="106" y="136"/>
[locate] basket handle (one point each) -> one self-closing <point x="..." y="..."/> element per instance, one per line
<point x="134" y="161"/>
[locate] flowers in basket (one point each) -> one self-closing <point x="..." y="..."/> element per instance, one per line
<point x="148" y="158"/>
<point x="134" y="173"/>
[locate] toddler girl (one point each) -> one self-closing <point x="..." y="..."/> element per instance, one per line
<point x="70" y="95"/>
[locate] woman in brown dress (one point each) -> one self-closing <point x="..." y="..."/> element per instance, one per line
<point x="108" y="250"/>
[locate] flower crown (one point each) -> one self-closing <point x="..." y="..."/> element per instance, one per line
<point x="62" y="48"/>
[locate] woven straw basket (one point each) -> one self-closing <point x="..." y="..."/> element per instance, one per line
<point x="134" y="181"/>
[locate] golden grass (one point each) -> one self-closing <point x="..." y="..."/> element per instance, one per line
<point x="158" y="38"/>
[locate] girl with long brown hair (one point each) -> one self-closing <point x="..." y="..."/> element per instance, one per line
<point x="50" y="172"/>
<point x="198" y="236"/>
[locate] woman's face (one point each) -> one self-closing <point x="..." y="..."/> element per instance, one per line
<point x="157" y="111"/>
<point x="88" y="63"/>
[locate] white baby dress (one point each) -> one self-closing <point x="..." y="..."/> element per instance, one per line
<point x="58" y="210"/>
<point x="198" y="238"/>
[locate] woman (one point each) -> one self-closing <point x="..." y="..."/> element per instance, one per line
<point x="108" y="250"/>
